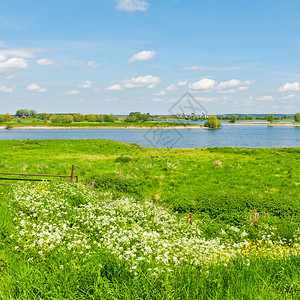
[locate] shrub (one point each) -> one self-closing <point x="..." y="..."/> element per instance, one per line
<point x="212" y="122"/>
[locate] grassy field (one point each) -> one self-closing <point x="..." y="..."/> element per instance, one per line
<point x="63" y="241"/>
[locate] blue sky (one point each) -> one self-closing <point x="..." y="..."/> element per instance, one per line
<point x="109" y="56"/>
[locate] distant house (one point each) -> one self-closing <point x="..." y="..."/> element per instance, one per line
<point x="25" y="116"/>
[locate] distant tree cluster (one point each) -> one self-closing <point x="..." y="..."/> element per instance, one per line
<point x="5" y="118"/>
<point x="137" y="117"/>
<point x="61" y="119"/>
<point x="26" y="112"/>
<point x="297" y="117"/>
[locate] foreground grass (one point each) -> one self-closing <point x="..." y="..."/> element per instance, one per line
<point x="120" y="255"/>
<point x="65" y="242"/>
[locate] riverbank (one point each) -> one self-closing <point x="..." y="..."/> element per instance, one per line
<point x="262" y="124"/>
<point x="103" y="127"/>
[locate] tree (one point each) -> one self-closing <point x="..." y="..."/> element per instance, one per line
<point x="212" y="122"/>
<point x="297" y="117"/>
<point x="32" y="113"/>
<point x="130" y="119"/>
<point x="20" y="112"/>
<point x="270" y="118"/>
<point x="78" y="117"/>
<point x="109" y="118"/>
<point x="91" y="118"/>
<point x="233" y="119"/>
<point x="55" y="119"/>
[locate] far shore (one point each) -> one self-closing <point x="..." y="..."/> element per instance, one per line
<point x="101" y="127"/>
<point x="262" y="124"/>
<point x="30" y="127"/>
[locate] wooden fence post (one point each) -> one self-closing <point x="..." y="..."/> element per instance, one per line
<point x="72" y="174"/>
<point x="190" y="218"/>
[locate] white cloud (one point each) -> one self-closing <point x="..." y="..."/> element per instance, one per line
<point x="44" y="62"/>
<point x="115" y="87"/>
<point x="201" y="68"/>
<point x="10" y="77"/>
<point x="289" y="96"/>
<point x="171" y="87"/>
<point x="93" y="64"/>
<point x="290" y="87"/>
<point x="266" y="98"/>
<point x="229" y="83"/>
<point x="161" y="93"/>
<point x="142" y="56"/>
<point x="135" y="82"/>
<point x="243" y="88"/>
<point x="233" y="83"/>
<point x="142" y="80"/>
<point x="13" y="64"/>
<point x="35" y="88"/>
<point x="157" y="100"/>
<point x="129" y="86"/>
<point x="182" y="83"/>
<point x="132" y="5"/>
<point x="85" y="84"/>
<point x="74" y="92"/>
<point x="6" y="89"/>
<point x="203" y="84"/>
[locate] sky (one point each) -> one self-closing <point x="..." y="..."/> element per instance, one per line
<point x="118" y="56"/>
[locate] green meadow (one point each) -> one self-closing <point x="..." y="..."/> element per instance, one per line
<point x="215" y="223"/>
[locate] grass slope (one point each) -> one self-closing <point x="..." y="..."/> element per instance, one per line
<point x="221" y="186"/>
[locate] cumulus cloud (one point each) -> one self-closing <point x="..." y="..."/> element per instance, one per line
<point x="182" y="83"/>
<point x="290" y="87"/>
<point x="203" y="84"/>
<point x="148" y="80"/>
<point x="161" y="93"/>
<point x="129" y="85"/>
<point x="44" y="62"/>
<point x="234" y="83"/>
<point x="35" y="88"/>
<point x="243" y="88"/>
<point x="85" y="84"/>
<point x="142" y="80"/>
<point x="171" y="87"/>
<point x="115" y="87"/>
<point x="74" y="92"/>
<point x="13" y="64"/>
<point x="266" y="98"/>
<point x="132" y="5"/>
<point x="142" y="56"/>
<point x="289" y="96"/>
<point x="6" y="89"/>
<point x="201" y="68"/>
